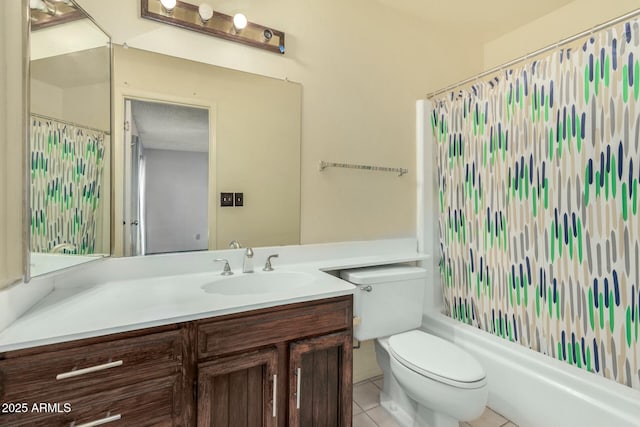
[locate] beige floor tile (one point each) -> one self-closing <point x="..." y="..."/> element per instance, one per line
<point x="378" y="382"/>
<point x="363" y="420"/>
<point x="510" y="424"/>
<point x="488" y="418"/>
<point x="366" y="395"/>
<point x="356" y="409"/>
<point x="381" y="417"/>
<point x="463" y="424"/>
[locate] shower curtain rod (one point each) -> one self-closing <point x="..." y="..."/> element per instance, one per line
<point x="42" y="116"/>
<point x="556" y="45"/>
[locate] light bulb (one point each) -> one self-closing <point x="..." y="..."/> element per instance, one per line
<point x="38" y="4"/>
<point x="168" y="4"/>
<point x="239" y="21"/>
<point x="42" y="6"/>
<point x="206" y="12"/>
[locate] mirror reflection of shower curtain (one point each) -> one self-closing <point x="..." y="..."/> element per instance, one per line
<point x="66" y="163"/>
<point x="137" y="197"/>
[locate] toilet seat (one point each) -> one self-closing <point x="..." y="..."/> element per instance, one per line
<point x="438" y="359"/>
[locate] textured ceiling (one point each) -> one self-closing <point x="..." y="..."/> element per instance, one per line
<point x="171" y="127"/>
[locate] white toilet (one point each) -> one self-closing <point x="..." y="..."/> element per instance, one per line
<point x="428" y="381"/>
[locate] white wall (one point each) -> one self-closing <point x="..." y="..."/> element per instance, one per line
<point x="574" y="18"/>
<point x="12" y="94"/>
<point x="88" y="105"/>
<point x="176" y="200"/>
<point x="46" y="99"/>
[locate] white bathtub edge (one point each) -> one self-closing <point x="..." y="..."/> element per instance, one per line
<point x="533" y="390"/>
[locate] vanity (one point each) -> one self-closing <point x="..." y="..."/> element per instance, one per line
<point x="167" y="340"/>
<point x="255" y="366"/>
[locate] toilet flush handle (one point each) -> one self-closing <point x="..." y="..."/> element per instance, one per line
<point x="367" y="288"/>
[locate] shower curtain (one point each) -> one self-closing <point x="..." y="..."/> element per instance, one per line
<point x="66" y="174"/>
<point x="538" y="170"/>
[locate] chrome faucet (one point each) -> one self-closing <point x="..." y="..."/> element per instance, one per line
<point x="234" y="244"/>
<point x="247" y="263"/>
<point x="61" y="247"/>
<point x="267" y="265"/>
<point x="226" y="271"/>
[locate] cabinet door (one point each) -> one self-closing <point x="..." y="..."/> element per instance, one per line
<point x="320" y="381"/>
<point x="238" y="390"/>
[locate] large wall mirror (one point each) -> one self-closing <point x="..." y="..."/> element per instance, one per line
<point x="186" y="134"/>
<point x="150" y="177"/>
<point x="69" y="137"/>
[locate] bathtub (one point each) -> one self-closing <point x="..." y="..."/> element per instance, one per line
<point x="534" y="390"/>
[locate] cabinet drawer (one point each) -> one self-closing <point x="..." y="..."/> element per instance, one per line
<point x="237" y="333"/>
<point x="144" y="404"/>
<point x="90" y="368"/>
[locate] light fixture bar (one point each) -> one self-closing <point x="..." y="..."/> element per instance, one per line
<point x="188" y="16"/>
<point x="55" y="12"/>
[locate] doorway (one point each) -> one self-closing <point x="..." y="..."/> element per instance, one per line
<point x="166" y="178"/>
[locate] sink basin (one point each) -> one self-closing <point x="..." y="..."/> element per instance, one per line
<point x="260" y="283"/>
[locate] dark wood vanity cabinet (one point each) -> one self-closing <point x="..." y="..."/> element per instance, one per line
<point x="281" y="366"/>
<point x="284" y="366"/>
<point x="131" y="379"/>
<point x="239" y="390"/>
<point x="322" y="391"/>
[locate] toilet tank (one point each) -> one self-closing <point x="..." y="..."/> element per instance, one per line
<point x="388" y="300"/>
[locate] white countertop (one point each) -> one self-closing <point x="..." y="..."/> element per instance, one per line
<point x="125" y="304"/>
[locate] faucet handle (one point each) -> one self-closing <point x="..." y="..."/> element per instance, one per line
<point x="267" y="265"/>
<point x="226" y="271"/>
<point x="234" y="244"/>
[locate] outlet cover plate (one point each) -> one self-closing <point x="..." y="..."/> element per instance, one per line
<point x="226" y="199"/>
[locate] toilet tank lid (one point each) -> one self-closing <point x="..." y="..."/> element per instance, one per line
<point x="382" y="274"/>
<point x="437" y="358"/>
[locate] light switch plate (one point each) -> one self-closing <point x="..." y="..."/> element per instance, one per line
<point x="238" y="199"/>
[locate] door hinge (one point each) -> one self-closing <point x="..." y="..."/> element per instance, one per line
<point x="126" y="126"/>
<point x="195" y="390"/>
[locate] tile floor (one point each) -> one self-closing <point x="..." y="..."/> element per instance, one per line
<point x="367" y="411"/>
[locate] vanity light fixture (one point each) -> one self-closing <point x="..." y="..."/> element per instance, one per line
<point x="204" y="20"/>
<point x="42" y="6"/>
<point x="206" y="12"/>
<point x="47" y="13"/>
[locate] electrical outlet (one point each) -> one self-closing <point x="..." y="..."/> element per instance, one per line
<point x="238" y="199"/>
<point x="226" y="199"/>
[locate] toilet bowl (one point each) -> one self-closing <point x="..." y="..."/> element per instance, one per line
<point x="428" y="381"/>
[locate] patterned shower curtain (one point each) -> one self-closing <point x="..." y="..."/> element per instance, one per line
<point x="538" y="170"/>
<point x="66" y="175"/>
